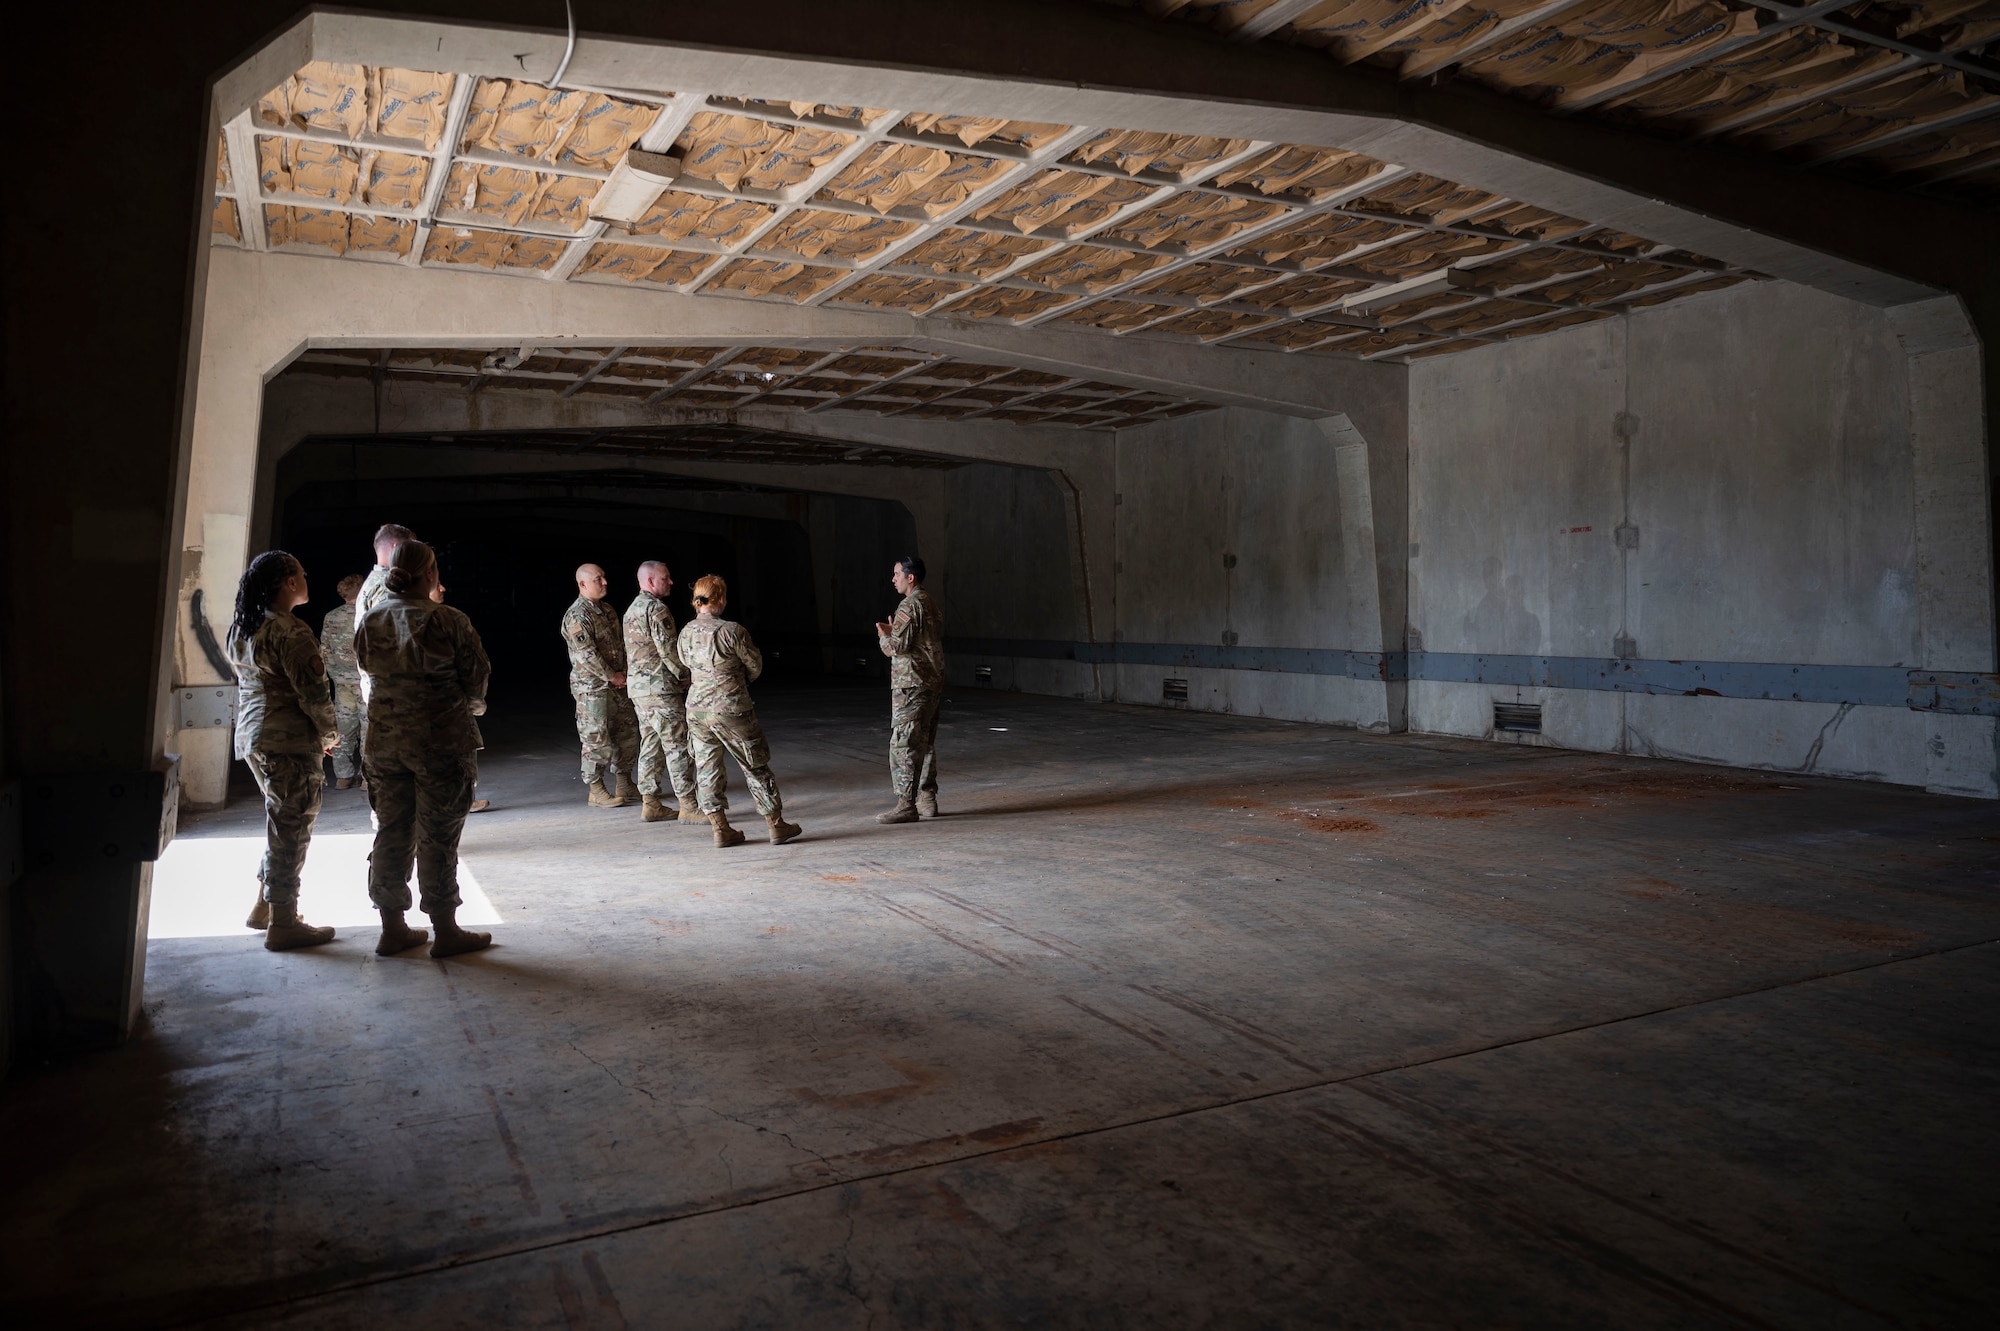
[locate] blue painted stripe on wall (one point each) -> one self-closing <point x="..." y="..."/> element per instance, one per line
<point x="1959" y="692"/>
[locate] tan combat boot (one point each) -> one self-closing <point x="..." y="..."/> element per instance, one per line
<point x="398" y="936"/>
<point x="651" y="809"/>
<point x="904" y="812"/>
<point x="725" y="835"/>
<point x="781" y="831"/>
<point x="691" y="812"/>
<point x="260" y="914"/>
<point x="288" y="931"/>
<point x="600" y="798"/>
<point x="452" y="940"/>
<point x="927" y="803"/>
<point x="621" y="783"/>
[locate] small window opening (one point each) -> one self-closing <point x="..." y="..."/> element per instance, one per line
<point x="982" y="674"/>
<point x="1523" y="718"/>
<point x="1173" y="690"/>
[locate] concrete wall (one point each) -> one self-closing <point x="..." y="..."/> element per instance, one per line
<point x="1017" y="576"/>
<point x="1799" y="481"/>
<point x="1231" y="534"/>
<point x="1759" y="447"/>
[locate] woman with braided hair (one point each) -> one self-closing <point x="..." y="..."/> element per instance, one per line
<point x="427" y="675"/>
<point x="284" y="728"/>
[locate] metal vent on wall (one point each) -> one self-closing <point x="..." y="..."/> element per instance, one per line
<point x="982" y="674"/>
<point x="1173" y="690"/>
<point x="1521" y="717"/>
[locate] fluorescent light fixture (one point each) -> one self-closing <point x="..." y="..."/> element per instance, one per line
<point x="634" y="186"/>
<point x="1424" y="284"/>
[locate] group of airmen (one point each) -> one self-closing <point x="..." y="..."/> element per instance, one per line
<point x="391" y="690"/>
<point x="659" y="706"/>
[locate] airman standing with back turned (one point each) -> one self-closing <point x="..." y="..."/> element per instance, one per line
<point x="657" y="683"/>
<point x="422" y="750"/>
<point x="343" y="673"/>
<point x="721" y="662"/>
<point x="606" y="727"/>
<point x="375" y="586"/>
<point x="913" y="640"/>
<point x="284" y="727"/>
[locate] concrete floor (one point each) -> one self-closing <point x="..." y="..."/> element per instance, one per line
<point x="1175" y="1020"/>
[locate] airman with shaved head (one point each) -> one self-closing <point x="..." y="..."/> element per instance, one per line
<point x="375" y="586"/>
<point x="658" y="688"/>
<point x="606" y="725"/>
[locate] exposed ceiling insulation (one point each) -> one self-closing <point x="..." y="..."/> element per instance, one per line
<point x="1904" y="93"/>
<point x="884" y="380"/>
<point x="1231" y="241"/>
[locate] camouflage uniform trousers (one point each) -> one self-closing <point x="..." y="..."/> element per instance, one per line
<point x="663" y="742"/>
<point x="712" y="734"/>
<point x="608" y="730"/>
<point x="913" y="722"/>
<point x="420" y="805"/>
<point x="292" y="783"/>
<point x="348" y="713"/>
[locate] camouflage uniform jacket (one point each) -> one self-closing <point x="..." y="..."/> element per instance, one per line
<point x="373" y="589"/>
<point x="282" y="702"/>
<point x="336" y="645"/>
<point x="652" y="649"/>
<point x="721" y="661"/>
<point x="427" y="671"/>
<point x="915" y="643"/>
<point x="596" y="641"/>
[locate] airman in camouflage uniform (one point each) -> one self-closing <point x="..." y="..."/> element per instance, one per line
<point x="421" y="751"/>
<point x="657" y="683"/>
<point x="343" y="673"/>
<point x="284" y="728"/>
<point x="376" y="585"/>
<point x="914" y="643"/>
<point x="606" y="726"/>
<point x="722" y="661"/>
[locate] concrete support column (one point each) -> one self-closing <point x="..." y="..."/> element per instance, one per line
<point x="85" y="935"/>
<point x="1375" y="535"/>
<point x="1954" y="535"/>
<point x="221" y="493"/>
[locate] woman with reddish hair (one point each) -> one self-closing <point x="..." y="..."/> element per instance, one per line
<point x="721" y="662"/>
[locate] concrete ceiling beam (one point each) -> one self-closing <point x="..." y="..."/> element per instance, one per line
<point x="331" y="305"/>
<point x="1233" y="376"/>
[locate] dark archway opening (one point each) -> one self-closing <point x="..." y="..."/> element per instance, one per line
<point x="509" y="545"/>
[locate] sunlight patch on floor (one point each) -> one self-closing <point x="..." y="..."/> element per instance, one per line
<point x="204" y="886"/>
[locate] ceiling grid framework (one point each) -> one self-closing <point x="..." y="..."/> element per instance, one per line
<point x="1276" y="246"/>
<point x="1905" y="94"/>
<point x="886" y="380"/>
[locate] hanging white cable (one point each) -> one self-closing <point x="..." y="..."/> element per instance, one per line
<point x="569" y="48"/>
